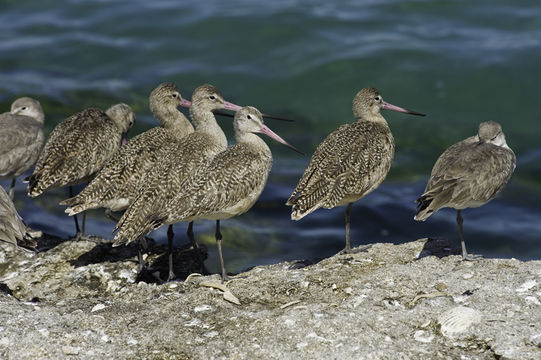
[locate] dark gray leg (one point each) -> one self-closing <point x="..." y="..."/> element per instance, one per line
<point x="170" y="236"/>
<point x="347" y="249"/>
<point x="218" y="236"/>
<point x="12" y="189"/>
<point x="195" y="246"/>
<point x="140" y="248"/>
<point x="83" y="223"/>
<point x="465" y="255"/>
<point x="191" y="237"/>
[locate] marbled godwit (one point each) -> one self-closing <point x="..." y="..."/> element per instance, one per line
<point x="78" y="147"/>
<point x="228" y="185"/>
<point x="21" y="138"/>
<point x="350" y="163"/>
<point x="180" y="159"/>
<point x="12" y="228"/>
<point x="468" y="174"/>
<point x="116" y="184"/>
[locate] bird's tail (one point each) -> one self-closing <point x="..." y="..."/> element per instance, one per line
<point x="133" y="222"/>
<point x="299" y="208"/>
<point x="44" y="178"/>
<point x="77" y="204"/>
<point x="34" y="189"/>
<point x="424" y="209"/>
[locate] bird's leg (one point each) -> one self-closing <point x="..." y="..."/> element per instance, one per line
<point x="170" y="236"/>
<point x="77" y="229"/>
<point x="348" y="249"/>
<point x="218" y="236"/>
<point x="12" y="189"/>
<point x="140" y="248"/>
<point x="465" y="255"/>
<point x="83" y="223"/>
<point x="195" y="246"/>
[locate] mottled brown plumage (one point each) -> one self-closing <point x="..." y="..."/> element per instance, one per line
<point x="12" y="228"/>
<point x="116" y="185"/>
<point x="79" y="146"/>
<point x="468" y="174"/>
<point x="350" y="163"/>
<point x="180" y="160"/>
<point x="21" y="138"/>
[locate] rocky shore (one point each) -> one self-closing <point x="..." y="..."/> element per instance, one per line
<point x="418" y="300"/>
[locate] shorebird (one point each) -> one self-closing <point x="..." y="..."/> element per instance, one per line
<point x="350" y="163"/>
<point x="21" y="139"/>
<point x="12" y="228"/>
<point x="468" y="174"/>
<point x="116" y="184"/>
<point x="78" y="147"/>
<point x="226" y="186"/>
<point x="179" y="160"/>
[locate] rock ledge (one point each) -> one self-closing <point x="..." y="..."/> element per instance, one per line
<point x="390" y="302"/>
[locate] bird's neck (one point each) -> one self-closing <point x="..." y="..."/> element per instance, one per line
<point x="205" y="122"/>
<point x="371" y="117"/>
<point x="173" y="119"/>
<point x="254" y="141"/>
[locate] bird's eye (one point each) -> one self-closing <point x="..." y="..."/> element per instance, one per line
<point x="174" y="95"/>
<point x="377" y="98"/>
<point x="24" y="108"/>
<point x="249" y="117"/>
<point x="212" y="97"/>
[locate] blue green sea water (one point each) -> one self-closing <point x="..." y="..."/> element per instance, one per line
<point x="461" y="62"/>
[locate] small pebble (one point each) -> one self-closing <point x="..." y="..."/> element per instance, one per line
<point x="441" y="286"/>
<point x="212" y="334"/>
<point x="533" y="300"/>
<point x="423" y="336"/>
<point x="97" y="307"/>
<point x="70" y="350"/>
<point x="201" y="308"/>
<point x="526" y="286"/>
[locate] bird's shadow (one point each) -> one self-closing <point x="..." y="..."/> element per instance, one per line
<point x="185" y="259"/>
<point x="47" y="242"/>
<point x="439" y="247"/>
<point x="185" y="262"/>
<point x="104" y="251"/>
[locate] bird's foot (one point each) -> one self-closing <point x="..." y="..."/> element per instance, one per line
<point x="471" y="257"/>
<point x="355" y="250"/>
<point x="171" y="276"/>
